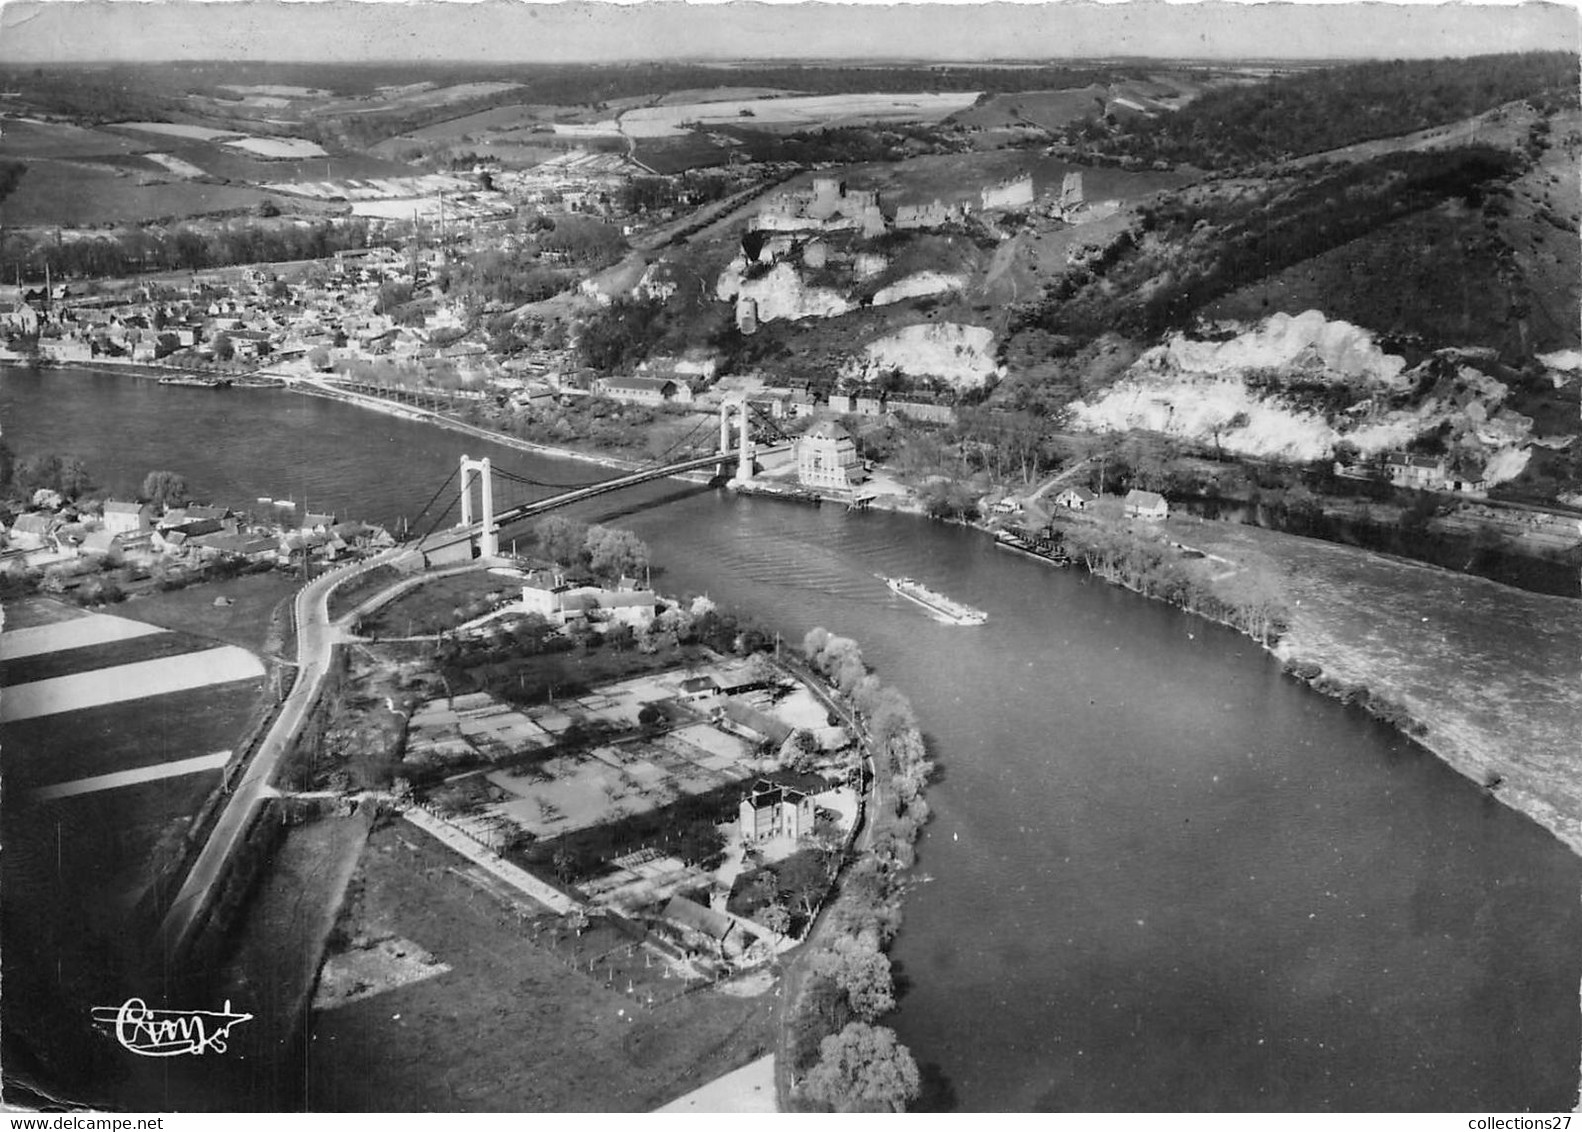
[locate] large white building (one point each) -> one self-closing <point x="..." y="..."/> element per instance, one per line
<point x="826" y="456"/>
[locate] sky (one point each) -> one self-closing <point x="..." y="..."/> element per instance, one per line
<point x="33" y="31"/>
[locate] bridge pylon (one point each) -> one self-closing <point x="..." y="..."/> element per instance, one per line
<point x="744" y="451"/>
<point x="489" y="533"/>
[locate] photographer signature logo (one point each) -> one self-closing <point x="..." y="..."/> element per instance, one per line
<point x="168" y="1033"/>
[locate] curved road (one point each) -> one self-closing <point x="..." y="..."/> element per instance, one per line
<point x="315" y="637"/>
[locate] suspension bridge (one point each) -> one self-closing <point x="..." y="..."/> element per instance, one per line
<point x="477" y="534"/>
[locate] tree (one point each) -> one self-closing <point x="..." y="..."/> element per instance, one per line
<point x="165" y="489"/>
<point x="38" y="472"/>
<point x="774" y="917"/>
<point x="615" y="553"/>
<point x="562" y="540"/>
<point x="863" y="1069"/>
<point x="222" y="348"/>
<point x="862" y="972"/>
<point x="74" y="478"/>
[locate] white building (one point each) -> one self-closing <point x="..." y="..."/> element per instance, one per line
<point x="826" y="456"/>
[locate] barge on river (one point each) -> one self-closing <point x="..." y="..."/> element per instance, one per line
<point x="942" y="607"/>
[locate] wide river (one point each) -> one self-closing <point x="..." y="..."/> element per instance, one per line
<point x="1160" y="876"/>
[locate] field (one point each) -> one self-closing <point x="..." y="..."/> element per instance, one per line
<point x="1496" y="669"/>
<point x="101" y="740"/>
<point x="511" y="1027"/>
<point x="176" y="130"/>
<point x="291" y="148"/>
<point x="68" y="193"/>
<point x="245" y="622"/>
<point x="1046" y="109"/>
<point x="440" y="604"/>
<point x="25" y="138"/>
<point x="796" y="112"/>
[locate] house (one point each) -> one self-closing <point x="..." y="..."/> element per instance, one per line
<point x="254" y="548"/>
<point x="32" y="530"/>
<point x="699" y="688"/>
<point x="694" y="917"/>
<point x="1146" y="505"/>
<point x="646" y="390"/>
<point x="769" y="810"/>
<point x="738" y="716"/>
<point x="1075" y="499"/>
<point x="1424" y="473"/>
<point x="103" y="544"/>
<point x="925" y="411"/>
<point x="19" y="318"/>
<point x="826" y="456"/>
<point x="123" y="517"/>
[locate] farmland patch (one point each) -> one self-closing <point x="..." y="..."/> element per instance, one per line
<point x="102" y="740"/>
<point x="53" y="696"/>
<point x="178" y="130"/>
<point x="67" y="194"/>
<point x="25" y="137"/>
<point x="66" y="633"/>
<point x="282" y="148"/>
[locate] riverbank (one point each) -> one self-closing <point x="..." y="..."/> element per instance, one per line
<point x="1483" y="676"/>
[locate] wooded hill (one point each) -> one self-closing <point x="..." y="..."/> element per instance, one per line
<point x="1325" y="109"/>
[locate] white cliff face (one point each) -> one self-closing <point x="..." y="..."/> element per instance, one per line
<point x="918" y="286"/>
<point x="1237" y="395"/>
<point x="781" y="293"/>
<point x="1306" y="342"/>
<point x="962" y="355"/>
<point x="1210" y="409"/>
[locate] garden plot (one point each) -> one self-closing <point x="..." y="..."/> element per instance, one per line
<point x="574" y="792"/>
<point x="446" y="732"/>
<point x="643" y="880"/>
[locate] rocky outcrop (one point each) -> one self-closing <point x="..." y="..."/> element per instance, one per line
<point x="1293" y="388"/>
<point x="960" y="354"/>
<point x="780" y="293"/>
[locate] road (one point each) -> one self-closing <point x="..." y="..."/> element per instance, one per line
<point x="315" y="637"/>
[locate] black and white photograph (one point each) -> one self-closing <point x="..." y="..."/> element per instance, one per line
<point x="798" y="557"/>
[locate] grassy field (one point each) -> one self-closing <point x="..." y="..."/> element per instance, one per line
<point x="433" y="606"/>
<point x="30" y="140"/>
<point x="1046" y="109"/>
<point x="1494" y="671"/>
<point x="30" y="612"/>
<point x="68" y="193"/>
<point x="510" y="1028"/>
<point x="245" y="622"/>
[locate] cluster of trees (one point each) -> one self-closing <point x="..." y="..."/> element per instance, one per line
<point x="608" y="552"/>
<point x="181" y="248"/>
<point x="849" y="1062"/>
<point x="1332" y="107"/>
<point x="64" y="474"/>
<point x="1249" y="600"/>
<point x="691" y="189"/>
<point x="1201" y="245"/>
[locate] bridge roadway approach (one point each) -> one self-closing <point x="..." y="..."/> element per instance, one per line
<point x="458" y="543"/>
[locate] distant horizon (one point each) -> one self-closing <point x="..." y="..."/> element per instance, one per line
<point x="490" y="33"/>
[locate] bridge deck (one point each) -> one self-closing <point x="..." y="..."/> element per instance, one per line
<point x="453" y="535"/>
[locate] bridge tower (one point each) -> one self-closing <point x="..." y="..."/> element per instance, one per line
<point x="489" y="534"/>
<point x="744" y="452"/>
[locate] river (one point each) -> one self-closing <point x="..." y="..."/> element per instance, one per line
<point x="1160" y="876"/>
